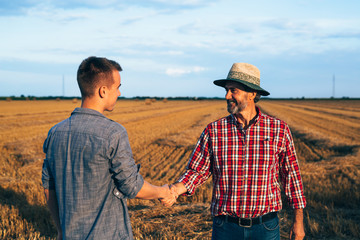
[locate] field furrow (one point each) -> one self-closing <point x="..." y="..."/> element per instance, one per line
<point x="350" y="116"/>
<point x="326" y="126"/>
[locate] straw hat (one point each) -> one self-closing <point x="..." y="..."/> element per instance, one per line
<point x="246" y="74"/>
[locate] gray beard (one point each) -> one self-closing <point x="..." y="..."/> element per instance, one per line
<point x="237" y="108"/>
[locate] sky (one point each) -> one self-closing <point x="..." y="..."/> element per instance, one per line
<point x="303" y="48"/>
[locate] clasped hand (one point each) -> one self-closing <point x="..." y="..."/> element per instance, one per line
<point x="170" y="195"/>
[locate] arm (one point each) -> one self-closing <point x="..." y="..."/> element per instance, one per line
<point x="297" y="229"/>
<point x="149" y="191"/>
<point x="54" y="209"/>
<point x="49" y="191"/>
<point x="290" y="174"/>
<point x="198" y="169"/>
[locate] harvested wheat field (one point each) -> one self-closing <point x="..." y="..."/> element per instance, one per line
<point x="162" y="135"/>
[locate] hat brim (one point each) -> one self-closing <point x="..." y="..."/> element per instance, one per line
<point x="261" y="91"/>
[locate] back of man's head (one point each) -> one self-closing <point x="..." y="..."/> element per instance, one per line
<point x="95" y="71"/>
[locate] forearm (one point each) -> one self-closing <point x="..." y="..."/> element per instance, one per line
<point x="191" y="180"/>
<point x="179" y="188"/>
<point x="149" y="191"/>
<point x="298" y="215"/>
<point x="298" y="226"/>
<point x="52" y="204"/>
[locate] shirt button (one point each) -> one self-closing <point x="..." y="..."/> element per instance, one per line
<point x="117" y="193"/>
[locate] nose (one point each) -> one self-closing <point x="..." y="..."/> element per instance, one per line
<point x="228" y="95"/>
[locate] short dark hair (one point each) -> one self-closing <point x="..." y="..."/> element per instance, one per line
<point x="94" y="71"/>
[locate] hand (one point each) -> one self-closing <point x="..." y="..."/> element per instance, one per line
<point x="178" y="188"/>
<point x="169" y="196"/>
<point x="174" y="190"/>
<point x="297" y="231"/>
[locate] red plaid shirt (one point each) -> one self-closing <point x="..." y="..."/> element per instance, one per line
<point x="246" y="165"/>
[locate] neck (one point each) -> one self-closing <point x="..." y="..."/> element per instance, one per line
<point x="246" y="116"/>
<point x="93" y="104"/>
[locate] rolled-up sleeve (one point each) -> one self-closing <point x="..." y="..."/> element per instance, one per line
<point x="125" y="172"/>
<point x="198" y="169"/>
<point x="290" y="174"/>
<point x="46" y="176"/>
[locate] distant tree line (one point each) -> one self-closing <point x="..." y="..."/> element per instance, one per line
<point x="23" y="97"/>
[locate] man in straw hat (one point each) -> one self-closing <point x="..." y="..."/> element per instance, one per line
<point x="248" y="153"/>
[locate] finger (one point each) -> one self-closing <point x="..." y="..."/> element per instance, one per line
<point x="167" y="202"/>
<point x="174" y="193"/>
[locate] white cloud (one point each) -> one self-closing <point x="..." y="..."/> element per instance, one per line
<point x="148" y="32"/>
<point x="176" y="72"/>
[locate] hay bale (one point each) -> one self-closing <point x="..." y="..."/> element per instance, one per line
<point x="148" y="101"/>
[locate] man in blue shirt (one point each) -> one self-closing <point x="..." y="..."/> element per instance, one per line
<point x="89" y="170"/>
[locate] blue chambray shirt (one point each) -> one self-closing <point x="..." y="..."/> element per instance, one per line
<point x="90" y="165"/>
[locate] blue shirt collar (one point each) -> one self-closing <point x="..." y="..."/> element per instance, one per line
<point x="88" y="111"/>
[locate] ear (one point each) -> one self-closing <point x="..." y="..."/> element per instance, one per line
<point x="102" y="91"/>
<point x="252" y="95"/>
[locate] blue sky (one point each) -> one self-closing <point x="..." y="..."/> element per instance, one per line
<point x="177" y="48"/>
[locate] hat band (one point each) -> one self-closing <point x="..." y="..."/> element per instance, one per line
<point x="244" y="77"/>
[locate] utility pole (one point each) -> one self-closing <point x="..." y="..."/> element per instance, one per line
<point x="63" y="86"/>
<point x="333" y="86"/>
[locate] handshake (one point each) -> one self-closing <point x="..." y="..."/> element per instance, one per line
<point x="171" y="193"/>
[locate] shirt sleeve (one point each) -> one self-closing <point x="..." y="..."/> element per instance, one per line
<point x="290" y="174"/>
<point x="46" y="176"/>
<point x="125" y="172"/>
<point x="198" y="169"/>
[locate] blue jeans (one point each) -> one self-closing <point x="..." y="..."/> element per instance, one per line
<point x="223" y="230"/>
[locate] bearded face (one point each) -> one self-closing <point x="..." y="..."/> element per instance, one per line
<point x="235" y="106"/>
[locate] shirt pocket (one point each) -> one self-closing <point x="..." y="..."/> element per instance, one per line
<point x="266" y="153"/>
